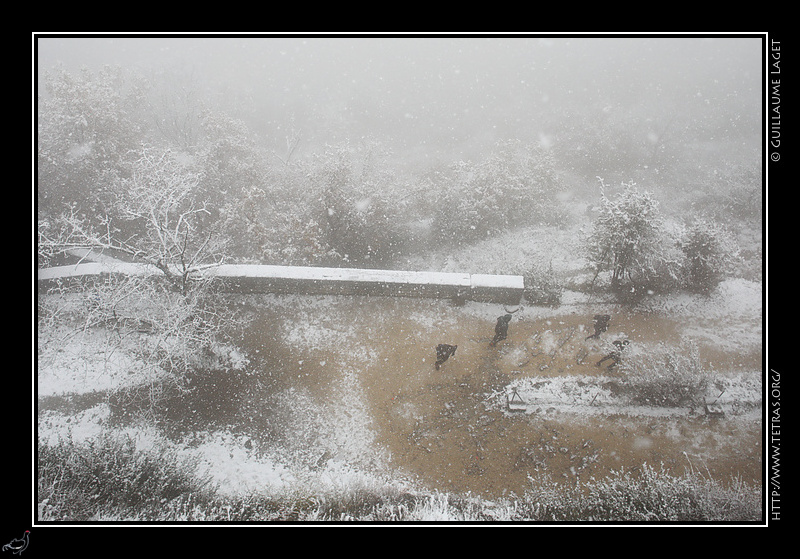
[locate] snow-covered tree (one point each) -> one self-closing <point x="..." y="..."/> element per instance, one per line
<point x="354" y="203"/>
<point x="515" y="185"/>
<point x="241" y="189"/>
<point x="86" y="125"/>
<point x="630" y="240"/>
<point x="175" y="106"/>
<point x="710" y="253"/>
<point x="157" y="219"/>
<point x="161" y="198"/>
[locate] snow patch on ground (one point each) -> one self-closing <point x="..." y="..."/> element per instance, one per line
<point x="329" y="443"/>
<point x="540" y="248"/>
<point x="731" y="317"/>
<point x="224" y="459"/>
<point x="595" y="395"/>
<point x="80" y="427"/>
<point x="90" y="424"/>
<point x="75" y="362"/>
<point x="734" y="298"/>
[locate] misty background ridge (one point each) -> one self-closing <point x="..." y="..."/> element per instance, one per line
<point x="449" y="97"/>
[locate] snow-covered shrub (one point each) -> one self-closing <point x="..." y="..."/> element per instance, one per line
<point x="734" y="194"/>
<point x="230" y="164"/>
<point x="542" y="287"/>
<point x="516" y="185"/>
<point x="710" y="253"/>
<point x="87" y="124"/>
<point x="644" y="494"/>
<point x="651" y="494"/>
<point x="110" y="476"/>
<point x="631" y="242"/>
<point x="258" y="199"/>
<point x="665" y="377"/>
<point x="353" y="198"/>
<point x="298" y="240"/>
<point x="338" y="207"/>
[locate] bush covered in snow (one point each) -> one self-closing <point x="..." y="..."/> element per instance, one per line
<point x="630" y="241"/>
<point x="516" y="185"/>
<point x="646" y="495"/>
<point x="111" y="479"/>
<point x="709" y="252"/>
<point x="542" y="287"/>
<point x="665" y="377"/>
<point x="643" y="254"/>
<point x="353" y="188"/>
<point x="337" y="208"/>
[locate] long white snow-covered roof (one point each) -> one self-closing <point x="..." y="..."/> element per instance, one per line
<point x="339" y="274"/>
<point x="269" y="277"/>
<point x="493" y="280"/>
<point x="94" y="269"/>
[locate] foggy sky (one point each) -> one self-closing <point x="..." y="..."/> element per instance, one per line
<point x="438" y="88"/>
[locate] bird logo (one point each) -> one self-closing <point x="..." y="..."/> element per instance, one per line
<point x="17" y="546"/>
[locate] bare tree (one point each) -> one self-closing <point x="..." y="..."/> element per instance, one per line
<point x="174" y="237"/>
<point x="160" y="222"/>
<point x="292" y="141"/>
<point x="175" y="106"/>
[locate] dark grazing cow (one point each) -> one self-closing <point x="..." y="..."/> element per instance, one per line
<point x="443" y="353"/>
<point x="600" y="325"/>
<point x="616" y="355"/>
<point x="501" y="329"/>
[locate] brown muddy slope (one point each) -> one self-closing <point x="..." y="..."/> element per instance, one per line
<point x="437" y="427"/>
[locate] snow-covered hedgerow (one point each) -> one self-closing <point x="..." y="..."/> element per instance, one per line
<point x="649" y="494"/>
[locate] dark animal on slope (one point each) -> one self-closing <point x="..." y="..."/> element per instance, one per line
<point x="443" y="353"/>
<point x="616" y="355"/>
<point x="600" y="325"/>
<point x="501" y="329"/>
